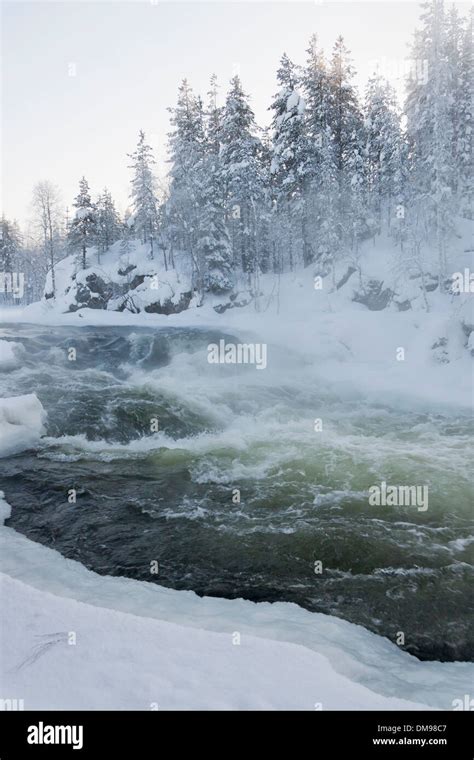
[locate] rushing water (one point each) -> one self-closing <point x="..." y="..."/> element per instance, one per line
<point x="169" y="497"/>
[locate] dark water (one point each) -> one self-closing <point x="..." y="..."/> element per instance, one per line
<point x="169" y="497"/>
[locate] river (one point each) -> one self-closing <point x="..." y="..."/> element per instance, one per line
<point x="237" y="494"/>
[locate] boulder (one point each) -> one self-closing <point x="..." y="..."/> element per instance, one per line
<point x="374" y="296"/>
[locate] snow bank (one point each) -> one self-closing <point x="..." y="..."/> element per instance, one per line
<point x="21" y="423"/>
<point x="112" y="660"/>
<point x="139" y="645"/>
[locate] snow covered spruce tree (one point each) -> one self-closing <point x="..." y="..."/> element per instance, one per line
<point x="83" y="228"/>
<point x="213" y="119"/>
<point x="143" y="193"/>
<point x="384" y="153"/>
<point x="290" y="166"/>
<point x="10" y="255"/>
<point x="10" y="245"/>
<point x="466" y="118"/>
<point x="213" y="247"/>
<point x="187" y="153"/>
<point x="459" y="55"/>
<point x="109" y="227"/>
<point x="346" y="123"/>
<point x="244" y="180"/>
<point x="431" y="133"/>
<point x="322" y="194"/>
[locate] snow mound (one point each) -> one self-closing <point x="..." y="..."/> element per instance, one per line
<point x="22" y="421"/>
<point x="10" y="354"/>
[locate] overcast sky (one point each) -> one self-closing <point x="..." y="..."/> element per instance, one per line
<point x="81" y="78"/>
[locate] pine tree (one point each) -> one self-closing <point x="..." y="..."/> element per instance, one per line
<point x="83" y="228"/>
<point x="465" y="115"/>
<point x="322" y="201"/>
<point x="383" y="149"/>
<point x="290" y="167"/>
<point x="345" y="120"/>
<point x="213" y="246"/>
<point x="317" y="95"/>
<point x="108" y="222"/>
<point x="316" y="88"/>
<point x="265" y="243"/>
<point x="244" y="181"/>
<point x="214" y="115"/>
<point x="187" y="149"/>
<point x="10" y="245"/>
<point x="11" y="249"/>
<point x="344" y="114"/>
<point x="143" y="192"/>
<point x="453" y="52"/>
<point x="326" y="206"/>
<point x="430" y="129"/>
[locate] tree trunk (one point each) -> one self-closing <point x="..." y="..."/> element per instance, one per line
<point x="51" y="252"/>
<point x="307" y="254"/>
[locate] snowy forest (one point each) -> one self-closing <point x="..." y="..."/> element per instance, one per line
<point x="335" y="168"/>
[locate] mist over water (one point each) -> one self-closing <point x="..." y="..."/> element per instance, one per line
<point x="170" y="496"/>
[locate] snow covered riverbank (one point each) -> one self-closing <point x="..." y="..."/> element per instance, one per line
<point x="354" y="347"/>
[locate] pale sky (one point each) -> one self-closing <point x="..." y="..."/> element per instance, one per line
<point x="79" y="79"/>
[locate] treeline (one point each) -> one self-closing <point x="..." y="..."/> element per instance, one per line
<point x="332" y="170"/>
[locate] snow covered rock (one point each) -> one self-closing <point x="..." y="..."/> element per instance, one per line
<point x="22" y="421"/>
<point x="470" y="343"/>
<point x="235" y="301"/>
<point x="122" y="281"/>
<point x="94" y="293"/>
<point x="374" y="295"/>
<point x="10" y="354"/>
<point x="440" y="351"/>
